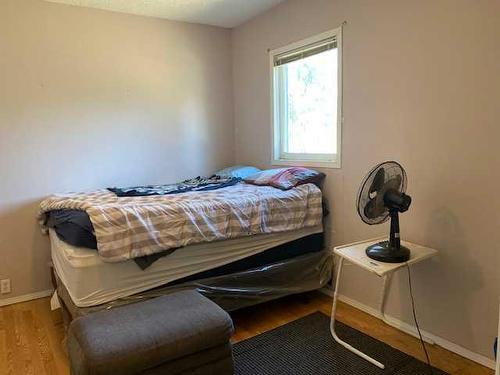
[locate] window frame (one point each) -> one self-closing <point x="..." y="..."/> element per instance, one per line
<point x="278" y="136"/>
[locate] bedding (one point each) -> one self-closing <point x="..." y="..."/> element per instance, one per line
<point x="90" y="281"/>
<point x="131" y="227"/>
<point x="286" y="178"/>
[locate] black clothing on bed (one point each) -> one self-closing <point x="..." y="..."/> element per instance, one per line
<point x="195" y="184"/>
<point x="73" y="227"/>
<point x="147" y="260"/>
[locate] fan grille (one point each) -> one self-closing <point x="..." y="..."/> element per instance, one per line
<point x="384" y="176"/>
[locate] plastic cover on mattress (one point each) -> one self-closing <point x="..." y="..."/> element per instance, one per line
<point x="91" y="282"/>
<point x="231" y="292"/>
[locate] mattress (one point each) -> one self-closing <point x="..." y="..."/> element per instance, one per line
<point x="90" y="281"/>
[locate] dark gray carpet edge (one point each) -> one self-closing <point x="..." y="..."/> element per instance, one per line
<point x="306" y="347"/>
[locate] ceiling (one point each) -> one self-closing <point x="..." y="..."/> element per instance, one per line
<point x="224" y="13"/>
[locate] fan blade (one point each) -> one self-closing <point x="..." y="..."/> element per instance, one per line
<point x="393" y="184"/>
<point x="374" y="208"/>
<point x="378" y="181"/>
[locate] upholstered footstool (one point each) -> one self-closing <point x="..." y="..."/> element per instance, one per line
<point x="181" y="333"/>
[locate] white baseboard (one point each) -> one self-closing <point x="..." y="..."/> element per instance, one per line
<point x="405" y="327"/>
<point x="396" y="323"/>
<point x="26" y="297"/>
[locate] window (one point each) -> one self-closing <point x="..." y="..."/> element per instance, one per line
<point x="306" y="97"/>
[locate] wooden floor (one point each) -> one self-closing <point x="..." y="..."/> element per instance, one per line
<point x="31" y="335"/>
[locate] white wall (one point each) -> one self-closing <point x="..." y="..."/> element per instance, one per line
<point x="422" y="86"/>
<point x="90" y="99"/>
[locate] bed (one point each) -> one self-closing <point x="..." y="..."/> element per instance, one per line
<point x="239" y="245"/>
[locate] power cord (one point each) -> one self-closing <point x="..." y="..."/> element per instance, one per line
<point x="431" y="371"/>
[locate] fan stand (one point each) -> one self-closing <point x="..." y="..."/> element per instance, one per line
<point x="390" y="251"/>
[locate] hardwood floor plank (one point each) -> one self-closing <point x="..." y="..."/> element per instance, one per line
<point x="15" y="364"/>
<point x="31" y="338"/>
<point x="4" y="363"/>
<point x="54" y="336"/>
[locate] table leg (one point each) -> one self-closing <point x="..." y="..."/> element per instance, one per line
<point x="332" y="322"/>
<point x="386" y="282"/>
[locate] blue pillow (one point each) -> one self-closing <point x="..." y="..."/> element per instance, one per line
<point x="241" y="171"/>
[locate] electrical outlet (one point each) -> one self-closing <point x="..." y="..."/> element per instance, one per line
<point x="5" y="286"/>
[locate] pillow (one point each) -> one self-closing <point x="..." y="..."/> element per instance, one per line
<point x="285" y="178"/>
<point x="264" y="177"/>
<point x="241" y="171"/>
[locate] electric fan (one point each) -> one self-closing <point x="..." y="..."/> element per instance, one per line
<point x="382" y="196"/>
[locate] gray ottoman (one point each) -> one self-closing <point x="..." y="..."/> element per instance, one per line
<point x="181" y="333"/>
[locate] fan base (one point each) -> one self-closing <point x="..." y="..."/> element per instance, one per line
<point x="384" y="252"/>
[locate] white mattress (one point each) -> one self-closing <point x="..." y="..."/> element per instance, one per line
<point x="90" y="281"/>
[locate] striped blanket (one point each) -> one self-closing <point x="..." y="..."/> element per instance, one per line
<point x="131" y="227"/>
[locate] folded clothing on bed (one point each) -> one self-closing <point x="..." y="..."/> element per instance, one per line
<point x="132" y="227"/>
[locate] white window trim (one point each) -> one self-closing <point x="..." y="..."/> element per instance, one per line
<point x="306" y="160"/>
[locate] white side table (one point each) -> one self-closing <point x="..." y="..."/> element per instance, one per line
<point x="355" y="253"/>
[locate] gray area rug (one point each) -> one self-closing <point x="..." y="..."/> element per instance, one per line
<point x="306" y="347"/>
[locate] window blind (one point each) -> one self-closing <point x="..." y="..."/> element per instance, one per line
<point x="307" y="51"/>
